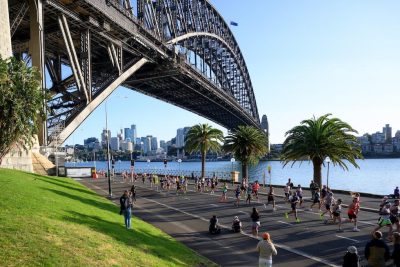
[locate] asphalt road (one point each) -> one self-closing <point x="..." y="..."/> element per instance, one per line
<point x="308" y="243"/>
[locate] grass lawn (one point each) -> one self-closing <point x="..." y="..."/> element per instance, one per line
<point x="47" y="221"/>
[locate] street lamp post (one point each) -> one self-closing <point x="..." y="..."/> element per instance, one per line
<point x="179" y="161"/>
<point x="108" y="155"/>
<point x="232" y="161"/>
<point x="327" y="160"/>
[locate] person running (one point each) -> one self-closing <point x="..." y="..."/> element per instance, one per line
<point x="271" y="197"/>
<point x="294" y="200"/>
<point x="133" y="193"/>
<point x="299" y="193"/>
<point x="236" y="225"/>
<point x="328" y="203"/>
<point x="336" y="213"/>
<point x="212" y="186"/>
<point x="249" y="192"/>
<point x="266" y="250"/>
<point x="384" y="220"/>
<point x="313" y="189"/>
<point x="256" y="187"/>
<point x="290" y="184"/>
<point x="324" y="192"/>
<point x="376" y="251"/>
<point x="394" y="214"/>
<point x="143" y="178"/>
<point x="286" y="190"/>
<point x="178" y="186"/>
<point x="224" y="192"/>
<point x="214" y="227"/>
<point x="126" y="208"/>
<point x="185" y="185"/>
<point x="243" y="188"/>
<point x="352" y="213"/>
<point x="255" y="218"/>
<point x="316" y="200"/>
<point x="237" y="196"/>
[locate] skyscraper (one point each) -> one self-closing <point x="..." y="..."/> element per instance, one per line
<point x="128" y="134"/>
<point x="154" y="144"/>
<point x="133" y="133"/>
<point x="387" y="131"/>
<point x="181" y="135"/>
<point x="114" y="143"/>
<point x="104" y="137"/>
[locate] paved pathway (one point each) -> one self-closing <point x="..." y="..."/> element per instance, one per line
<point x="309" y="243"/>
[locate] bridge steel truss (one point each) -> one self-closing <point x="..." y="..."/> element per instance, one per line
<point x="179" y="51"/>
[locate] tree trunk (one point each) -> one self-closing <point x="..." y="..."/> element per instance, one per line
<point x="245" y="171"/>
<point x="317" y="172"/>
<point x="203" y="164"/>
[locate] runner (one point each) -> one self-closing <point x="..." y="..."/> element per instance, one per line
<point x="156" y="181"/>
<point x="316" y="200"/>
<point x="143" y="177"/>
<point x="224" y="191"/>
<point x="286" y="190"/>
<point x="185" y="185"/>
<point x="178" y="187"/>
<point x="394" y="214"/>
<point x="237" y="195"/>
<point x="352" y="213"/>
<point x="212" y="186"/>
<point x="313" y="188"/>
<point x="336" y="212"/>
<point x="133" y="193"/>
<point x="271" y="197"/>
<point x="256" y="187"/>
<point x="328" y="203"/>
<point x="299" y="193"/>
<point x="255" y="218"/>
<point x="249" y="191"/>
<point x="384" y="220"/>
<point x="323" y="194"/>
<point x="243" y="188"/>
<point x="294" y="200"/>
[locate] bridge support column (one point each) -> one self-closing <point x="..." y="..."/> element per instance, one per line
<point x="99" y="99"/>
<point x="5" y="36"/>
<point x="36" y="51"/>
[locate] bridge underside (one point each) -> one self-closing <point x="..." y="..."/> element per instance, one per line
<point x="88" y="48"/>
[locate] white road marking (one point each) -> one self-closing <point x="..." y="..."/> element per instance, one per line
<point x="214" y="205"/>
<point x="287" y="248"/>
<point x="285" y="223"/>
<point x="240" y="211"/>
<point x="354" y="240"/>
<point x="365" y="222"/>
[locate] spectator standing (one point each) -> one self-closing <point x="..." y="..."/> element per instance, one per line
<point x="351" y="258"/>
<point x="376" y="251"/>
<point x="126" y="208"/>
<point x="266" y="250"/>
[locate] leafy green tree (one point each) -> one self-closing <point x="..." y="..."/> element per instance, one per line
<point x="21" y="104"/>
<point x="248" y="144"/>
<point x="203" y="138"/>
<point x="316" y="139"/>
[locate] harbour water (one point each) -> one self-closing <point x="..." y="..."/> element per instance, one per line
<point x="376" y="176"/>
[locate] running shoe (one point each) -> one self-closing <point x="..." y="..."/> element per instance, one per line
<point x="321" y="215"/>
<point x="286" y="215"/>
<point x="355" y="229"/>
<point x="298" y="220"/>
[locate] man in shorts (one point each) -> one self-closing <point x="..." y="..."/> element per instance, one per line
<point x="316" y="200"/>
<point x="328" y="203"/>
<point x="293" y="204"/>
<point x="336" y="212"/>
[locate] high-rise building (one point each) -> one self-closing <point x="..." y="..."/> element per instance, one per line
<point x="120" y="136"/>
<point x="128" y="134"/>
<point x="264" y="124"/>
<point x="154" y="144"/>
<point x="163" y="144"/>
<point x="147" y="144"/>
<point x="387" y="131"/>
<point x="133" y="132"/>
<point x="181" y="135"/>
<point x="126" y="146"/>
<point x="104" y="137"/>
<point x="114" y="143"/>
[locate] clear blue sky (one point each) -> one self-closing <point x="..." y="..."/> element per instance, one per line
<point x="305" y="58"/>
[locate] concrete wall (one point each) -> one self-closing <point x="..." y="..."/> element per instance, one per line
<point x="5" y="37"/>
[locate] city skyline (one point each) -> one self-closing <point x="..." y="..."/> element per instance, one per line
<point x="303" y="61"/>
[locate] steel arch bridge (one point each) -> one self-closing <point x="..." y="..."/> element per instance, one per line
<point x="179" y="51"/>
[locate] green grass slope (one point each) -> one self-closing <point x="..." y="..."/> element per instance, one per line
<point x="46" y="221"/>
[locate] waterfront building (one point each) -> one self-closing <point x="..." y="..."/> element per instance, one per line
<point x="387" y="131"/>
<point x="120" y="136"/>
<point x="91" y="143"/>
<point x="378" y="138"/>
<point x="104" y="137"/>
<point x="147" y="144"/>
<point x="154" y="143"/>
<point x="377" y="148"/>
<point x="163" y="144"/>
<point x="180" y="136"/>
<point x="397" y="134"/>
<point x="396" y="142"/>
<point x="114" y="143"/>
<point x="126" y="146"/>
<point x="387" y="148"/>
<point x="133" y="132"/>
<point x="128" y="134"/>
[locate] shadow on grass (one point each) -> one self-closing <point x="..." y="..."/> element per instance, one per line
<point x="65" y="185"/>
<point x="101" y="205"/>
<point x="156" y="245"/>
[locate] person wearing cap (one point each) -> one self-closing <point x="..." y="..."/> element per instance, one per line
<point x="376" y="251"/>
<point x="384" y="220"/>
<point x="351" y="258"/>
<point x="266" y="250"/>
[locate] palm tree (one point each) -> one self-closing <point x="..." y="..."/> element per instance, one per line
<point x="248" y="144"/>
<point x="317" y="139"/>
<point x="203" y="138"/>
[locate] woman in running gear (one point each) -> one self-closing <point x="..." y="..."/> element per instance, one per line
<point x="271" y="197"/>
<point x="384" y="220"/>
<point x="352" y="213"/>
<point x="255" y="218"/>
